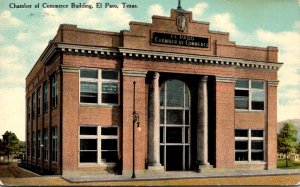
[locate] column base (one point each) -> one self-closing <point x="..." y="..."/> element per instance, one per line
<point x="156" y="169"/>
<point x="205" y="168"/>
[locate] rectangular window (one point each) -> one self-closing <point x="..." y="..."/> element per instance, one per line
<point x="33" y="144"/>
<point x="249" y="145"/>
<point x="109" y="144"/>
<point x="98" y="86"/>
<point x="45" y="97"/>
<point x="109" y="89"/>
<point x="98" y="144"/>
<point x="88" y="145"/>
<point x="54" y="144"/>
<point x="46" y="148"/>
<point x="54" y="90"/>
<point x="249" y="94"/>
<point x="39" y="101"/>
<point x="38" y="151"/>
<point x="28" y="108"/>
<point x="28" y="144"/>
<point x="33" y="106"/>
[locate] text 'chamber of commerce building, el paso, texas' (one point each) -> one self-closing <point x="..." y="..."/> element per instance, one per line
<point x="170" y="95"/>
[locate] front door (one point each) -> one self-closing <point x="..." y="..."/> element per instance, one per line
<point x="175" y="125"/>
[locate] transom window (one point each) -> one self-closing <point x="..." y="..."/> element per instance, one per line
<point x="98" y="144"/>
<point x="99" y="86"/>
<point x="249" y="145"/>
<point x="249" y="94"/>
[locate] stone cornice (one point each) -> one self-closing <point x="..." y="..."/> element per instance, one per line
<point x="88" y="49"/>
<point x="165" y="56"/>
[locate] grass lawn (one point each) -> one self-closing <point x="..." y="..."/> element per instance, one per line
<point x="291" y="164"/>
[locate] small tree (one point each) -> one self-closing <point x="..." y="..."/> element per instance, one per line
<point x="287" y="140"/>
<point x="298" y="148"/>
<point x="9" y="144"/>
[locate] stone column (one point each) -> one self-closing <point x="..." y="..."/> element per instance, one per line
<point x="153" y="131"/>
<point x="202" y="126"/>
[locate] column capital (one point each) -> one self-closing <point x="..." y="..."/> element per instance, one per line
<point x="273" y="83"/>
<point x="204" y="78"/>
<point x="69" y="69"/>
<point x="225" y="79"/>
<point x="155" y="75"/>
<point x="134" y="73"/>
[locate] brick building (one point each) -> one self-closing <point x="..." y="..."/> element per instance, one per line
<point x="201" y="101"/>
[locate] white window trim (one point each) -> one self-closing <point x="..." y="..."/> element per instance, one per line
<point x="249" y="139"/>
<point x="251" y="90"/>
<point x="98" y="137"/>
<point x="99" y="82"/>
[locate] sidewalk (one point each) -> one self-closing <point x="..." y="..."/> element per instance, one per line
<point x="181" y="175"/>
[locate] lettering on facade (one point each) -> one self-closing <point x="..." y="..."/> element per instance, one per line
<point x="180" y="40"/>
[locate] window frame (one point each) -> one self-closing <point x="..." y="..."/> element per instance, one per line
<point x="54" y="91"/>
<point x="45" y="97"/>
<point x="33" y="105"/>
<point x="38" y="152"/>
<point x="38" y="101"/>
<point x="249" y="140"/>
<point x="33" y="144"/>
<point x="250" y="95"/>
<point x="46" y="143"/>
<point x="28" y="108"/>
<point x="99" y="82"/>
<point x="99" y="150"/>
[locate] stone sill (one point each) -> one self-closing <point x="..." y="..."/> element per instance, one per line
<point x="100" y="106"/>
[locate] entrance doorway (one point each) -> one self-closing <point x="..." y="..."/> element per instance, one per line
<point x="175" y="125"/>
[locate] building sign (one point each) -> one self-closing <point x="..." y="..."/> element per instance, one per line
<point x="110" y="87"/>
<point x="178" y="39"/>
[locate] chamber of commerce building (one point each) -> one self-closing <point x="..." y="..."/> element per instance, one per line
<point x="170" y="95"/>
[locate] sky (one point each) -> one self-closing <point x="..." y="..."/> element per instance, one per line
<point x="25" y="32"/>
